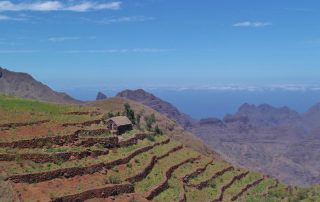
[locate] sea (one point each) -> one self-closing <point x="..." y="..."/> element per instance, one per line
<point x="217" y="103"/>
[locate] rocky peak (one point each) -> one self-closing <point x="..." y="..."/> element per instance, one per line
<point x="101" y="96"/>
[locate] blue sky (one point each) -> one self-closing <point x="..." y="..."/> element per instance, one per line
<point x="162" y="43"/>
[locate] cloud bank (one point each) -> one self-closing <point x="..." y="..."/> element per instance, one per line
<point x="58" y="6"/>
<point x="252" y="24"/>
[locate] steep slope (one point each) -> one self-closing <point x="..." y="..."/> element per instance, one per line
<point x="25" y="86"/>
<point x="312" y="116"/>
<point x="159" y="105"/>
<point x="171" y="128"/>
<point x="277" y="141"/>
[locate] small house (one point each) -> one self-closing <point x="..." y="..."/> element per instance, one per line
<point x="119" y="124"/>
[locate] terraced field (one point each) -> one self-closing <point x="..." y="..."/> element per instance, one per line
<point x="63" y="153"/>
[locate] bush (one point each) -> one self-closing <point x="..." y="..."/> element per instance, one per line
<point x="150" y="120"/>
<point x="114" y="179"/>
<point x="151" y="138"/>
<point x="157" y="130"/>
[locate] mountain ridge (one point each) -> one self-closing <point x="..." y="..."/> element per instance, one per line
<point x="159" y="105"/>
<point x="25" y="86"/>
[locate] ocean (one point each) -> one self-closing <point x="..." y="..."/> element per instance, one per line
<point x="217" y="103"/>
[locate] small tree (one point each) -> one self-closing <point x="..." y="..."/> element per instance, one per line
<point x="110" y="114"/>
<point x="157" y="130"/>
<point x="129" y="113"/>
<point x="138" y="119"/>
<point x="150" y="120"/>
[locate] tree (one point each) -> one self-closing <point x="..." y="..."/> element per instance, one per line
<point x="150" y="120"/>
<point x="157" y="130"/>
<point x="129" y="113"/>
<point x="138" y="119"/>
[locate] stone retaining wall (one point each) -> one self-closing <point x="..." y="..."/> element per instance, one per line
<point x="225" y="187"/>
<point x="205" y="183"/>
<point x="103" y="192"/>
<point x="197" y="172"/>
<point x="246" y="188"/>
<point x="74" y="171"/>
<point x="44" y="158"/>
<point x="164" y="185"/>
<point x="8" y="126"/>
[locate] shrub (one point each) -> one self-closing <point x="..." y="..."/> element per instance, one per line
<point x="151" y="138"/>
<point x="157" y="130"/>
<point x="137" y="161"/>
<point x="113" y="179"/>
<point x="150" y="120"/>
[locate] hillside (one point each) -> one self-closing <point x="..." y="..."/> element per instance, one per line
<point x="63" y="153"/>
<point x="159" y="105"/>
<point x="25" y="86"/>
<point x="277" y="141"/>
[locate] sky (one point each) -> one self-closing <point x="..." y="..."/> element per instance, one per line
<point x="193" y="44"/>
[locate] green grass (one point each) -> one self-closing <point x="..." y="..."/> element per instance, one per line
<point x="209" y="172"/>
<point x="172" y="193"/>
<point x="210" y="192"/>
<point x="31" y="167"/>
<point x="158" y="172"/>
<point x="137" y="164"/>
<point x="239" y="184"/>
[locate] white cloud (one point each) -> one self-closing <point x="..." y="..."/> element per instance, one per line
<point x="252" y="24"/>
<point x="70" y="38"/>
<point x="58" y="6"/>
<point x="135" y="50"/>
<point x="16" y="51"/>
<point x="126" y="19"/>
<point x="7" y="18"/>
<point x="61" y="39"/>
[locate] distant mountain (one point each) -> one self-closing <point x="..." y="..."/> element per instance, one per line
<point x="158" y="105"/>
<point x="265" y="115"/>
<point x="25" y="86"/>
<point x="278" y="141"/>
<point x="312" y="117"/>
<point x="101" y="96"/>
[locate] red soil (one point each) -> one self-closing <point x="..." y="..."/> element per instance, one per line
<point x="45" y="190"/>
<point x="35" y="131"/>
